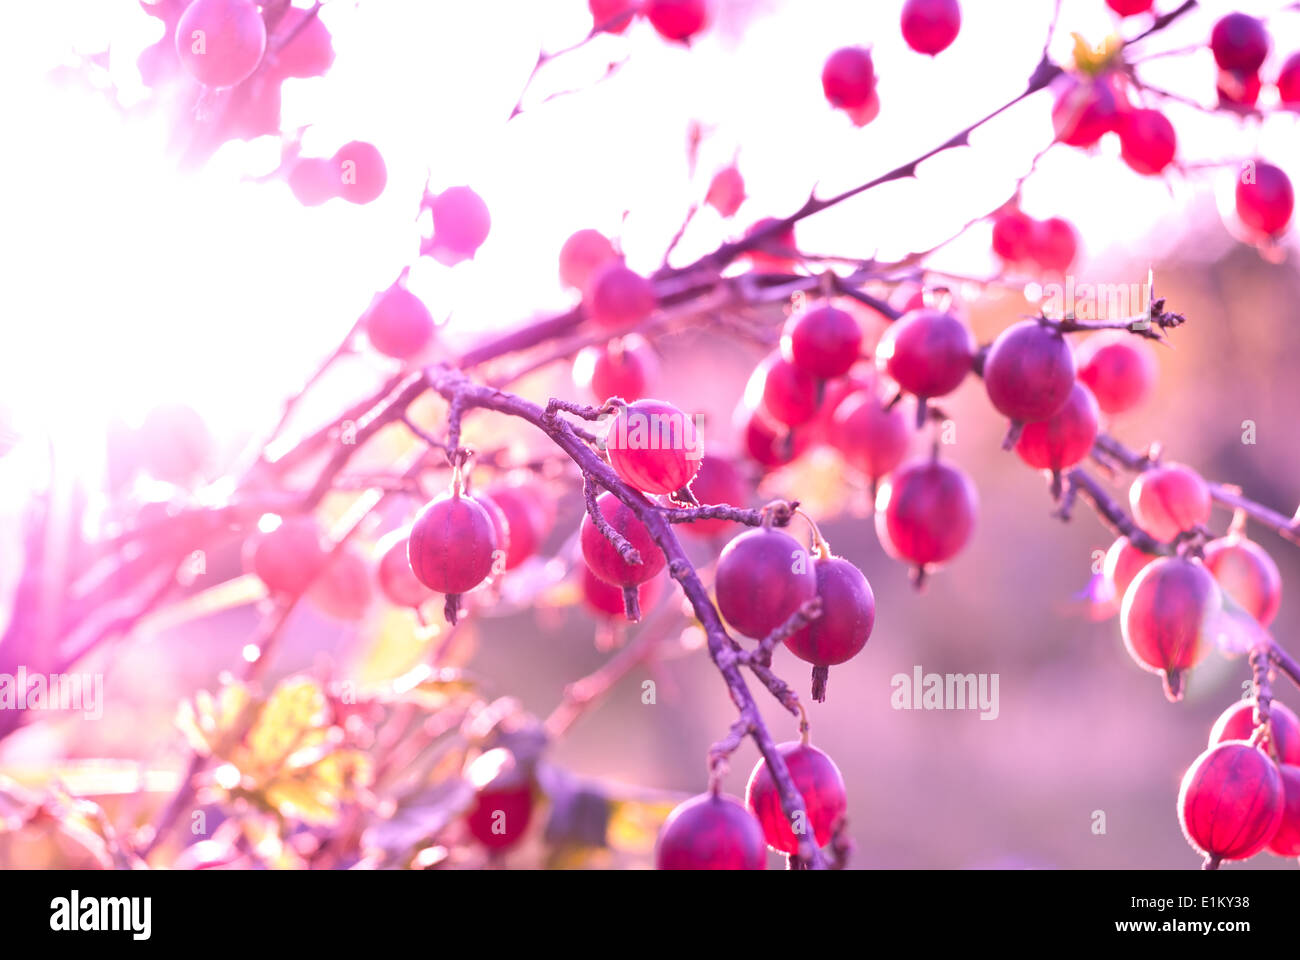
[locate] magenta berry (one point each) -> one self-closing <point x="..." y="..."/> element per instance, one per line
<point x="288" y="558"/>
<point x="343" y="590"/>
<point x="1085" y="111"/>
<point x="823" y="342"/>
<point x="778" y="253"/>
<point x="1265" y="199"/>
<point x="1286" y="840"/>
<point x="607" y="601"/>
<point x="726" y="191"/>
<point x="313" y="181"/>
<point x="503" y="803"/>
<point x="617" y="297"/>
<point x="525" y="520"/>
<point x="1013" y="235"/>
<point x="710" y="832"/>
<point x="612" y="16"/>
<point x="1119" y="369"/>
<point x="1246" y="573"/>
<point x="461" y="223"/>
<point x="1063" y="439"/>
<point x="676" y="19"/>
<point x="787" y="394"/>
<point x="398" y="324"/>
<point x="625" y="367"/>
<point x="452" y="546"/>
<point x="1239" y="43"/>
<point x="601" y="555"/>
<point x="220" y="42"/>
<point x="1122" y="564"/>
<point x="873" y="440"/>
<point x="930" y="26"/>
<point x="1231" y="802"/>
<point x="1054" y="244"/>
<point x="925" y="513"/>
<point x="1168" y="618"/>
<point x="763" y="577"/>
<point x="1281" y="738"/>
<point x="397" y="581"/>
<point x="1168" y="500"/>
<point x="1028" y="372"/>
<point x="849" y="78"/>
<point x="361" y="172"/>
<point x="654" y="446"/>
<point x="1129" y="8"/>
<point x="305" y="48"/>
<point x="1288" y="82"/>
<point x="717" y="482"/>
<point x="585" y="252"/>
<point x="1147" y="141"/>
<point x="848" y="614"/>
<point x="926" y="352"/>
<point x="819" y="783"/>
<point x="768" y="444"/>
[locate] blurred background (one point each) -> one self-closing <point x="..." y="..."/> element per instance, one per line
<point x="133" y="282"/>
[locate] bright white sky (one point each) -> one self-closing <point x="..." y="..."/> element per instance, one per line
<point x="128" y="283"/>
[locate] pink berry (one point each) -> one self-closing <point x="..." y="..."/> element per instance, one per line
<point x="768" y="444"/>
<point x="763" y="577"/>
<point x="1231" y="803"/>
<point x="676" y="19"/>
<point x="1169" y="499"/>
<point x="604" y="560"/>
<point x="777" y="254"/>
<point x="930" y="26"/>
<point x="824" y="342"/>
<point x="848" y="614"/>
<point x="313" y="181"/>
<point x="1265" y="199"/>
<point x="1240" y="43"/>
<point x="787" y="394"/>
<point x="1129" y="8"/>
<point x="1119" y="369"/>
<point x="726" y="191"/>
<point x="710" y="832"/>
<point x="617" y="297"/>
<point x="1122" y="565"/>
<point x="927" y="352"/>
<point x="585" y="252"/>
<point x="625" y="367"/>
<point x="362" y="174"/>
<point x="611" y="16"/>
<point x="654" y="446"/>
<point x="1063" y="439"/>
<point x="452" y="543"/>
<point x="1085" y="111"/>
<point x="174" y="444"/>
<point x="1281" y="738"/>
<point x="717" y="482"/>
<point x="461" y="223"/>
<point x="1029" y="372"/>
<point x="1012" y="236"/>
<point x="849" y="78"/>
<point x="1168" y="619"/>
<point x="925" y="512"/>
<point x="1288" y="82"/>
<point x="1054" y="244"/>
<point x="526" y="521"/>
<point x="398" y="324"/>
<point x="397" y="581"/>
<point x="871" y="439"/>
<point x="1286" y="840"/>
<point x="288" y="558"/>
<point x="819" y="783"/>
<point x="220" y="42"/>
<point x="311" y="51"/>
<point x="606" y="600"/>
<point x="503" y="803"/>
<point x="1247" y="574"/>
<point x="1147" y="141"/>
<point x="343" y="591"/>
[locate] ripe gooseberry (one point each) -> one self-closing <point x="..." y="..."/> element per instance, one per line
<point x="823" y="342"/>
<point x="784" y="392"/>
<point x="1122" y="564"/>
<point x="288" y="558"/>
<point x="624" y="367"/>
<point x="220" y="42"/>
<point x="1286" y="840"/>
<point x="726" y="191"/>
<point x="528" y="515"/>
<point x="585" y="252"/>
<point x="925" y="513"/>
<point x="844" y="626"/>
<point x="763" y="576"/>
<point x="777" y="253"/>
<point x="1147" y="141"/>
<point x="766" y="444"/>
<point x="1282" y="736"/>
<point x="1169" y="499"/>
<point x="849" y="78"/>
<point x="1288" y="82"/>
<point x="308" y="49"/>
<point x="1054" y="244"/>
<point x="174" y="443"/>
<point x="1230" y="803"/>
<point x="654" y="446"/>
<point x="717" y="482"/>
<point x="1085" y="111"/>
<point x="1239" y="43"/>
<point x="871" y="438"/>
<point x="342" y="590"/>
<point x="1246" y="573"/>
<point x="1167" y="617"/>
<point x="1129" y="8"/>
<point x="819" y="783"/>
<point x="604" y="559"/>
<point x="1028" y="374"/>
<point x="930" y="26"/>
<point x="611" y="16"/>
<point x="398" y="324"/>
<point x="461" y="223"/>
<point x="710" y="832"/>
<point x="1063" y="439"/>
<point x="1265" y="198"/>
<point x="676" y="19"/>
<point x="451" y="547"/>
<point x="503" y="803"/>
<point x="397" y="581"/>
<point x="1238" y="92"/>
<point x="606" y="600"/>
<point x="362" y="174"/>
<point x="617" y="297"/>
<point x="1012" y="232"/>
<point x="312" y="181"/>
<point x="1119" y="369"/>
<point x="926" y="352"/>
